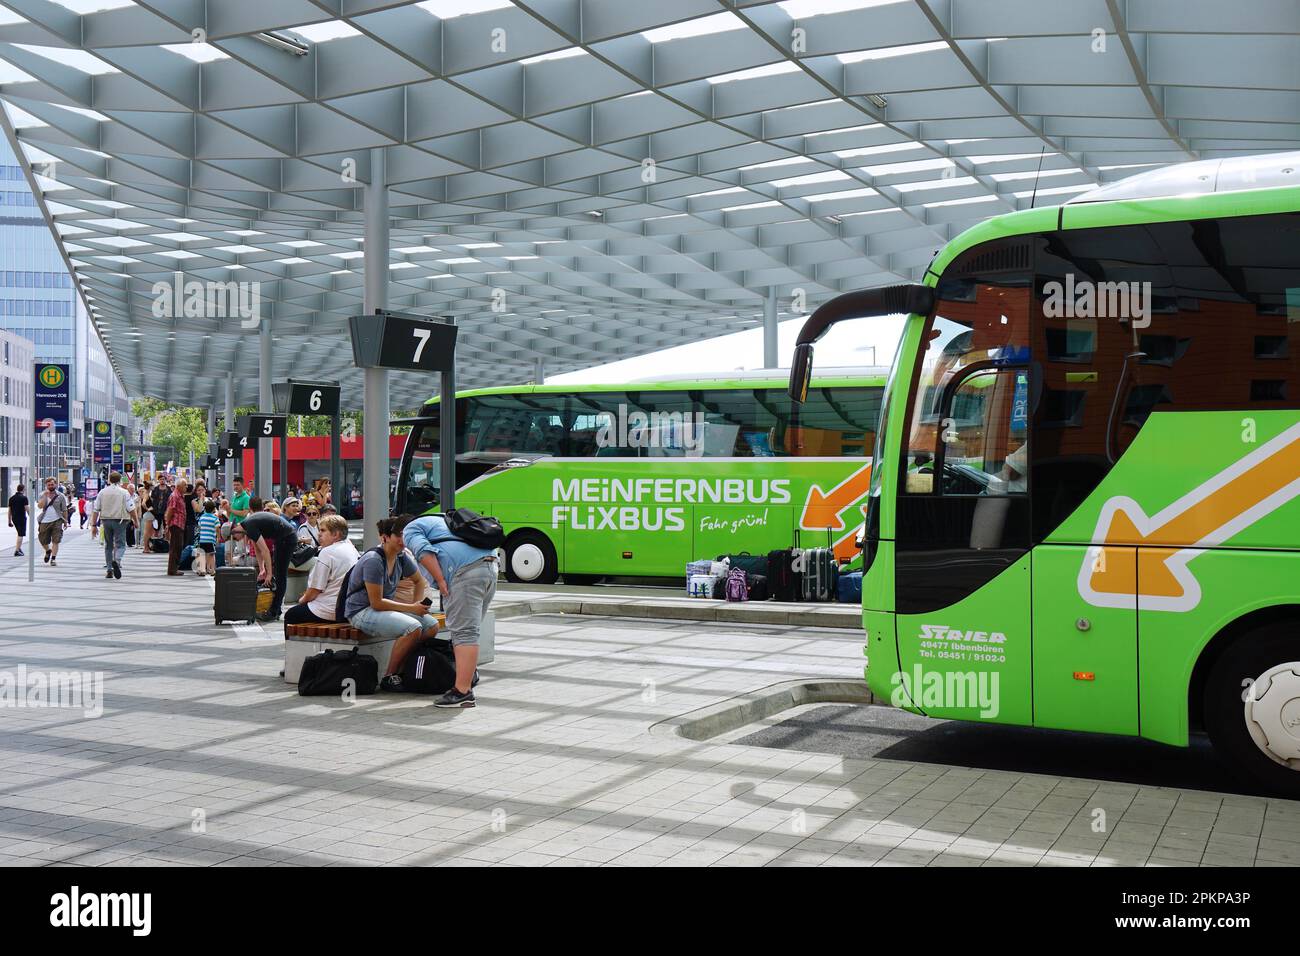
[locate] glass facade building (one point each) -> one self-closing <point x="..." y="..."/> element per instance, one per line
<point x="39" y="303"/>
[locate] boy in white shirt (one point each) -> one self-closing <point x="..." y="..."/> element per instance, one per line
<point x="336" y="557"/>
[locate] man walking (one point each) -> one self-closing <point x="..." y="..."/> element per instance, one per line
<point x="115" y="508"/>
<point x="466" y="576"/>
<point x="53" y="518"/>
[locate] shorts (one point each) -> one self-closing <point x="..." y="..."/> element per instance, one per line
<point x="207" y="547"/>
<point x="51" y="532"/>
<point x="469" y="597"/>
<point x="390" y="625"/>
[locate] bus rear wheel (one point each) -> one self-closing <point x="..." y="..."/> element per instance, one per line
<point x="530" y="559"/>
<point x="1252" y="706"/>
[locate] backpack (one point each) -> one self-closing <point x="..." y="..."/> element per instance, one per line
<point x="481" y="531"/>
<point x="345" y="589"/>
<point x="737" y="587"/>
<point x="430" y="667"/>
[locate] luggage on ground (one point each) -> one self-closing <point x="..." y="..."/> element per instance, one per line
<point x="758" y="587"/>
<point x="848" y="587"/>
<point x="236" y="595"/>
<point x="782" y="579"/>
<point x="430" y="668"/>
<point x="700" y="585"/>
<point x="482" y="531"/>
<point x="264" y="599"/>
<point x="737" y="587"/>
<point x="159" y="545"/>
<point x="750" y="563"/>
<point x="698" y="567"/>
<point x="819" y="573"/>
<point x="329" y="673"/>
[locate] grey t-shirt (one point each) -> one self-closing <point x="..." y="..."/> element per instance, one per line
<point x="373" y="569"/>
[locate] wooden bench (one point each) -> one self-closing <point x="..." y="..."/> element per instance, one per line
<point x="337" y="632"/>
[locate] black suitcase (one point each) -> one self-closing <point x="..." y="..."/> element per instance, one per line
<point x="758" y="588"/>
<point x="782" y="579"/>
<point x="236" y="595"/>
<point x="326" y="674"/>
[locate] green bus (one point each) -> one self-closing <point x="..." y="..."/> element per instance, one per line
<point x="636" y="480"/>
<point x="1084" y="510"/>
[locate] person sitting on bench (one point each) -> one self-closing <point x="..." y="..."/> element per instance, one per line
<point x="369" y="605"/>
<point x="335" y="560"/>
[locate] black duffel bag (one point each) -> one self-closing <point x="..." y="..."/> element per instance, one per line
<point x="430" y="668"/>
<point x="751" y="563"/>
<point x="325" y="674"/>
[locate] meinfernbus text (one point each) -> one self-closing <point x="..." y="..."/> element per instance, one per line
<point x="636" y="480"/>
<point x="1088" y="468"/>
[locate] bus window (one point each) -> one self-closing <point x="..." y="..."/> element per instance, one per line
<point x="984" y="435"/>
<point x="976" y="323"/>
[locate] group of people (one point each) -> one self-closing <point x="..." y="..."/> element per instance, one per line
<point x="386" y="598"/>
<point x="386" y="593"/>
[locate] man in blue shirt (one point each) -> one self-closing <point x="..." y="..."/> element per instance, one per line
<point x="466" y="577"/>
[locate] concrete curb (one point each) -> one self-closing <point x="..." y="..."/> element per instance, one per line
<point x="737" y="712"/>
<point x="765" y="612"/>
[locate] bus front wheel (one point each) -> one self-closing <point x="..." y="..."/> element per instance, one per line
<point x="1252" y="706"/>
<point x="530" y="559"/>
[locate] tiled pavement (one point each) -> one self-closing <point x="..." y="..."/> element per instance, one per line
<point x="203" y="756"/>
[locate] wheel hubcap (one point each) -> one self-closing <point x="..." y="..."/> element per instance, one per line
<point x="1273" y="714"/>
<point x="527" y="562"/>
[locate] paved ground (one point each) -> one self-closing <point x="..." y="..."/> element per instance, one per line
<point x="202" y="756"/>
<point x="865" y="732"/>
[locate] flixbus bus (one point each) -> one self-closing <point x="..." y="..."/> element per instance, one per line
<point x="1084" y="512"/>
<point x="639" y="479"/>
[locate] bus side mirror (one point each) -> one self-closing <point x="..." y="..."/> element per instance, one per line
<point x="801" y="372"/>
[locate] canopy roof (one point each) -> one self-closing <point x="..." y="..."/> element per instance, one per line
<point x="616" y="176"/>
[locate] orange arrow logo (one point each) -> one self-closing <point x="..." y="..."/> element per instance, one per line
<point x="1234" y="499"/>
<point x="822" y="508"/>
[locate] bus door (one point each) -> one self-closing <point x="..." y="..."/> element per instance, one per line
<point x="962" y="565"/>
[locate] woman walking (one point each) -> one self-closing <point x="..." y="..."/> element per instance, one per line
<point x="18" y="518"/>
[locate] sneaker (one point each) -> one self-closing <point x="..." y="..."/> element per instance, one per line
<point x="391" y="682"/>
<point x="268" y="617"/>
<point x="108" y="575"/>
<point x="54" y="563"/>
<point x="474" y="682"/>
<point x="454" y="698"/>
<point x="117" y="570"/>
<point x="47" y="557"/>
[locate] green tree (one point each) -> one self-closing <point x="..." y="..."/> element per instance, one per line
<point x="184" y="428"/>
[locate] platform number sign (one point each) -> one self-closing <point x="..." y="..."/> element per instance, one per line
<point x="313" y="398"/>
<point x="260" y="425"/>
<point x="234" y="443"/>
<point x="402" y="342"/>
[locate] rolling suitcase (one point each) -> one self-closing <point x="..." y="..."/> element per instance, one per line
<point x="782" y="579"/>
<point x="818" y="572"/>
<point x="236" y="595"/>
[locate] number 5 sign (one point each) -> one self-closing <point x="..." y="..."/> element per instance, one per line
<point x="406" y="342"/>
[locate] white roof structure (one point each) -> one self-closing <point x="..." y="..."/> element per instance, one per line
<point x="614" y="176"/>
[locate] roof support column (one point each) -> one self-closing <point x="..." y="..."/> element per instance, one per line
<point x="374" y="473"/>
<point x="265" y="447"/>
<point x="770" y="352"/>
<point x="228" y="466"/>
<point x="539" y="371"/>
